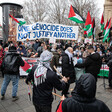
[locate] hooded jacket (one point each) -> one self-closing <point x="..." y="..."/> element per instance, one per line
<point x="22" y="51"/>
<point x="92" y="64"/>
<point x="83" y="97"/>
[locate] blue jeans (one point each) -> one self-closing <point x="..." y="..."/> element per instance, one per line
<point x="6" y="81"/>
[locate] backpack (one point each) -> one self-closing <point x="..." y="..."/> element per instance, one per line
<point x="10" y="64"/>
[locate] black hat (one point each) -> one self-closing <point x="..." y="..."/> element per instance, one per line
<point x="12" y="49"/>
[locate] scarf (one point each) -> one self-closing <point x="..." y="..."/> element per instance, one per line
<point x="70" y="55"/>
<point x="43" y="66"/>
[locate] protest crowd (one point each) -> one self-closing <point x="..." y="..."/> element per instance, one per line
<point x="80" y="63"/>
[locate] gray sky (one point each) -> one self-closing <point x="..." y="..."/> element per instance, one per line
<point x="99" y="2"/>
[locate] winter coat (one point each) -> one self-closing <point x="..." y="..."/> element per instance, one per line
<point x="109" y="63"/>
<point x="39" y="50"/>
<point x="36" y="45"/>
<point x="22" y="51"/>
<point x="42" y="94"/>
<point x="92" y="64"/>
<point x="15" y="58"/>
<point x="83" y="97"/>
<point x="55" y="61"/>
<point x="1" y="56"/>
<point x="68" y="68"/>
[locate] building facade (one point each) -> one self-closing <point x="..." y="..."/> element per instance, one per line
<point x="107" y="10"/>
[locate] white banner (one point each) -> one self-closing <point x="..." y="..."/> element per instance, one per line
<point x="87" y="40"/>
<point x="46" y="30"/>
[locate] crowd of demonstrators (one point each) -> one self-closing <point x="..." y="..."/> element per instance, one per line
<point x="34" y="48"/>
<point x="74" y="57"/>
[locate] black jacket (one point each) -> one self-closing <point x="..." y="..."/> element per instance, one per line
<point x="92" y="64"/>
<point x="18" y="61"/>
<point x="68" y="68"/>
<point x="83" y="97"/>
<point x="42" y="94"/>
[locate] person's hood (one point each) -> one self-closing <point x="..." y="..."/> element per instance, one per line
<point x="85" y="89"/>
<point x="23" y="49"/>
<point x="95" y="56"/>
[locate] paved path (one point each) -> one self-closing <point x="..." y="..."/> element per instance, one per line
<point x="24" y="105"/>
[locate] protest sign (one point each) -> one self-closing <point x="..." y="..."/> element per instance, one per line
<point x="46" y="30"/>
<point x="52" y="40"/>
<point x="87" y="40"/>
<point x="30" y="62"/>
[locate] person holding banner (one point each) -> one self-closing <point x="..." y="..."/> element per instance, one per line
<point x="44" y="80"/>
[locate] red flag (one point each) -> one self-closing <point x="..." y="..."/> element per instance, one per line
<point x="102" y="19"/>
<point x="71" y="13"/>
<point x="14" y="18"/>
<point x="60" y="107"/>
<point x="109" y="24"/>
<point x="106" y="25"/>
<point x="88" y="20"/>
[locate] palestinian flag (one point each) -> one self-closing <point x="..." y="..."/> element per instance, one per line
<point x="20" y="21"/>
<point x="105" y="28"/>
<point x="102" y="23"/>
<point x="59" y="109"/>
<point x="26" y="67"/>
<point x="104" y="71"/>
<point x="0" y="26"/>
<point x="89" y="25"/>
<point x="93" y="28"/>
<point x="107" y="31"/>
<point x="75" y="16"/>
<point x="85" y="34"/>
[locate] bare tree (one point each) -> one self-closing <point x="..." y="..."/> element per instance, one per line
<point x="35" y="10"/>
<point x="58" y="12"/>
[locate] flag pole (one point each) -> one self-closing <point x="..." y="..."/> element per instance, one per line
<point x="58" y="71"/>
